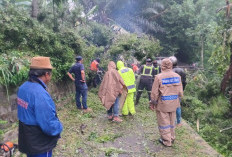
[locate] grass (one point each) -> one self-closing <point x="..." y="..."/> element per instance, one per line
<point x="90" y="135"/>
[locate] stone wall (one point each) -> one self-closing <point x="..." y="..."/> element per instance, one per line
<point x="8" y="109"/>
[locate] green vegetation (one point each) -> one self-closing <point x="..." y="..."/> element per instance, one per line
<point x="204" y="102"/>
<point x="93" y="134"/>
<point x="193" y="30"/>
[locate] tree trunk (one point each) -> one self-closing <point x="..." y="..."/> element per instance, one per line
<point x="225" y="82"/>
<point x="227" y="76"/>
<point x="35" y="8"/>
<point x="202" y="52"/>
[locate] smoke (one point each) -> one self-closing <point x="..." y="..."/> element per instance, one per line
<point x="133" y="15"/>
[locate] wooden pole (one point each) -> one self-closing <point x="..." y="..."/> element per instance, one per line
<point x="198" y="125"/>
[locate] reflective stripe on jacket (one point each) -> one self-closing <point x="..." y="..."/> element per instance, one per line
<point x="157" y="69"/>
<point x="146" y="72"/>
<point x="167" y="90"/>
<point x="128" y="76"/>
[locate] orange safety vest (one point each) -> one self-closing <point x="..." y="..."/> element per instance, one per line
<point x="93" y="66"/>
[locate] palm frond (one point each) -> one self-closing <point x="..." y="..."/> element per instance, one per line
<point x="158" y="5"/>
<point x="91" y="11"/>
<point x="151" y="26"/>
<point x="150" y="11"/>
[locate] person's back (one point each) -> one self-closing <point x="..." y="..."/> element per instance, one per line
<point x="182" y="74"/>
<point x="96" y="70"/>
<point x="76" y="70"/>
<point x="170" y="88"/>
<point x="80" y="82"/>
<point x="147" y="74"/>
<point x="94" y="66"/>
<point x="31" y="97"/>
<point x="165" y="99"/>
<point x="129" y="78"/>
<point x="39" y="126"/>
<point x="135" y="68"/>
<point x="110" y="90"/>
<point x="178" y="70"/>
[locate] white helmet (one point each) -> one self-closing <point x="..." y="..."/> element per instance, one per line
<point x="174" y="60"/>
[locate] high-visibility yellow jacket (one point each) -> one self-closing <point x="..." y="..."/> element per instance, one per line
<point x="127" y="75"/>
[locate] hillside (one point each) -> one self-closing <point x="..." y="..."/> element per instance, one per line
<point x="131" y="31"/>
<point x="93" y="135"/>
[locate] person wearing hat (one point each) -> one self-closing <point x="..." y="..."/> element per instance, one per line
<point x="80" y="83"/>
<point x="128" y="77"/>
<point x="39" y="126"/>
<point x="166" y="93"/>
<point x="111" y="92"/>
<point x="147" y="73"/>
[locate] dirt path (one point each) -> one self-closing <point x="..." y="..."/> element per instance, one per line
<point x="92" y="135"/>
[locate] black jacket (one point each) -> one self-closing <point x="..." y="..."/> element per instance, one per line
<point x="33" y="141"/>
<point x="182" y="74"/>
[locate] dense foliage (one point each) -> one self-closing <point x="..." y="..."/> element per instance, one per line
<point x="131" y="31"/>
<point x="204" y="102"/>
<point x="20" y="33"/>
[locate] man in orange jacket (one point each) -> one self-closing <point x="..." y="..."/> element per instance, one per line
<point x="94" y="67"/>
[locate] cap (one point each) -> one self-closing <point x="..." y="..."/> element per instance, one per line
<point x="173" y="60"/>
<point x="78" y="58"/>
<point x="148" y="60"/>
<point x="41" y="63"/>
<point x="98" y="60"/>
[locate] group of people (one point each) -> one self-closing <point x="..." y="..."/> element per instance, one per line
<point x="164" y="85"/>
<point x="40" y="128"/>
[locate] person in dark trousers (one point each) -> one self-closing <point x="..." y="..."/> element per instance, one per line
<point x="80" y="83"/>
<point x="182" y="74"/>
<point x="39" y="126"/>
<point x="94" y="67"/>
<point x="147" y="73"/>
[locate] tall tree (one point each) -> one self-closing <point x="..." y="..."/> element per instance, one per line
<point x="35" y="8"/>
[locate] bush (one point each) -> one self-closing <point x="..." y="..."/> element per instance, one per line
<point x="96" y="34"/>
<point x="203" y="100"/>
<point x="128" y="45"/>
